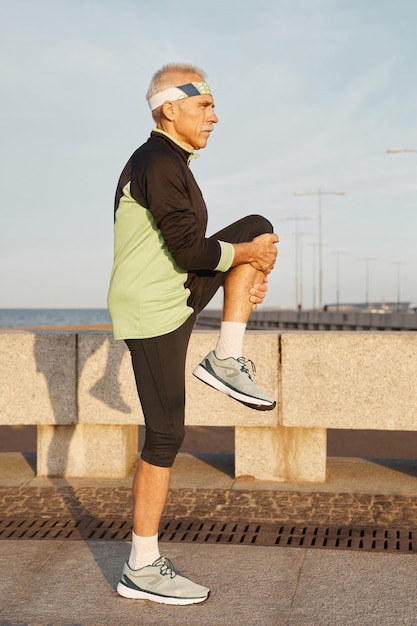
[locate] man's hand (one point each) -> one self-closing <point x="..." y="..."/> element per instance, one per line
<point x="257" y="294"/>
<point x="265" y="252"/>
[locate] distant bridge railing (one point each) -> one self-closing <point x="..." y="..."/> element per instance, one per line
<point x="317" y="320"/>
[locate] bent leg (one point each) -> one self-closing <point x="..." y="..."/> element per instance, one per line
<point x="225" y="368"/>
<point x="237" y="306"/>
<point x="203" y="285"/>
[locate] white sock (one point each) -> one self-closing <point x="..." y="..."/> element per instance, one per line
<point x="230" y="341"/>
<point x="144" y="551"/>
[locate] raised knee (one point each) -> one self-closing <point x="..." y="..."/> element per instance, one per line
<point x="260" y="224"/>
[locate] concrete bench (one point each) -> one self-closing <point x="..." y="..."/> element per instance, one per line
<point x="78" y="388"/>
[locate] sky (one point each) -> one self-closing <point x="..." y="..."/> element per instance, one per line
<point x="310" y="94"/>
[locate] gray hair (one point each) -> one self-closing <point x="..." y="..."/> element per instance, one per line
<point x="171" y="75"/>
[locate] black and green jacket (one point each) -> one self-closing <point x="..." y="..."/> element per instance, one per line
<point x="159" y="235"/>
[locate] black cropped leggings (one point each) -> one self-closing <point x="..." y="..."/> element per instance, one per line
<point x="159" y="362"/>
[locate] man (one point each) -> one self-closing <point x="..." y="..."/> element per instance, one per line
<point x="165" y="272"/>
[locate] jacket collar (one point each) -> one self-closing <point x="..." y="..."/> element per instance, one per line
<point x="189" y="154"/>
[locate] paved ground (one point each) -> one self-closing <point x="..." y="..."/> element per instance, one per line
<point x="357" y="492"/>
<point x="72" y="583"/>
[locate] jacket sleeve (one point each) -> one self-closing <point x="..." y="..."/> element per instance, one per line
<point x="173" y="197"/>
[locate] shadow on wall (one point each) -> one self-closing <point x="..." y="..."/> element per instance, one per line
<point x="63" y="380"/>
<point x="64" y="404"/>
<point x="107" y="389"/>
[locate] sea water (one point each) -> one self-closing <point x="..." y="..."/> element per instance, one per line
<point x="20" y="318"/>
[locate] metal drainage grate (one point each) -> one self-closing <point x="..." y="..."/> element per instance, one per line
<point x="83" y="528"/>
<point x="392" y="540"/>
<point x="292" y="536"/>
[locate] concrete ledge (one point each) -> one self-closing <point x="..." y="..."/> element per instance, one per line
<point x="107" y="392"/>
<point x="87" y="450"/>
<point x="350" y="380"/>
<point x="38" y="378"/>
<point x="79" y="389"/>
<point x="282" y="454"/>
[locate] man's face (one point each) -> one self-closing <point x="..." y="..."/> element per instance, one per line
<point x="194" y="120"/>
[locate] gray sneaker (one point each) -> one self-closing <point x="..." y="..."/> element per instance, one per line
<point x="161" y="583"/>
<point x="232" y="377"/>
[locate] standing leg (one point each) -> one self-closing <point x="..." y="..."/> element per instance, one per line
<point x="147" y="575"/>
<point x="150" y="491"/>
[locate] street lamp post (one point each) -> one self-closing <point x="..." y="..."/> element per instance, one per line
<point x="367" y="261"/>
<point x="314" y="246"/>
<point x="320" y="193"/>
<point x="298" y="261"/>
<point x="399" y="264"/>
<point x="338" y="254"/>
<point x="396" y="151"/>
<point x="301" y="235"/>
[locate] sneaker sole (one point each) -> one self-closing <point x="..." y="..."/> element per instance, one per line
<point x="254" y="403"/>
<point x="134" y="594"/>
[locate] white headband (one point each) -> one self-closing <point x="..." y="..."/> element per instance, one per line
<point x="178" y="93"/>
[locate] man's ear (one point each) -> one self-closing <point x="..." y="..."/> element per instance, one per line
<point x="168" y="110"/>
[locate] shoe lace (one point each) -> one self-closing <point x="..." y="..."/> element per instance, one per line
<point x="167" y="568"/>
<point x="244" y="367"/>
